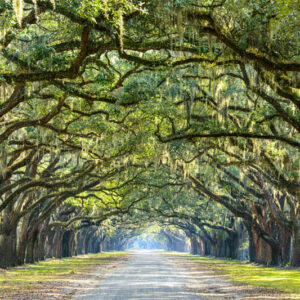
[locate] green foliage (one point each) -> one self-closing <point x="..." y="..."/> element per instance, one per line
<point x="125" y="101"/>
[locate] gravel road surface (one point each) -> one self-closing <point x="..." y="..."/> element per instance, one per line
<point x="146" y="275"/>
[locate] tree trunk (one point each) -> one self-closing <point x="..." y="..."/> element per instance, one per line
<point x="36" y="248"/>
<point x="87" y="243"/>
<point x="30" y="247"/>
<point x="295" y="257"/>
<point x="66" y="244"/>
<point x="285" y="247"/>
<point x="49" y="245"/>
<point x="275" y="257"/>
<point x="42" y="241"/>
<point x="233" y="244"/>
<point x="3" y="250"/>
<point x="8" y="239"/>
<point x="8" y="251"/>
<point x="252" y="251"/>
<point x="58" y="245"/>
<point x="214" y="249"/>
<point x="265" y="254"/>
<point x="21" y="249"/>
<point x="201" y="247"/>
<point x="8" y="257"/>
<point x="263" y="251"/>
<point x="194" y="245"/>
<point x="83" y="242"/>
<point x="75" y="244"/>
<point x="22" y="241"/>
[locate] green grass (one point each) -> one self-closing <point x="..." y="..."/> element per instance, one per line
<point x="280" y="279"/>
<point x="29" y="276"/>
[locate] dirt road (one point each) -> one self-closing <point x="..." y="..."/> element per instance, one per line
<point x="153" y="275"/>
<point x="147" y="275"/>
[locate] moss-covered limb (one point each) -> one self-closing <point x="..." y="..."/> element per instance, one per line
<point x="16" y="165"/>
<point x="72" y="72"/>
<point x="222" y="134"/>
<point x="15" y="99"/>
<point x="276" y="211"/>
<point x="270" y="99"/>
<point x="223" y="200"/>
<point x="68" y="13"/>
<point x="292" y="186"/>
<point x="288" y="117"/>
<point x="84" y="95"/>
<point x="45" y="184"/>
<point x="275" y="81"/>
<point x="236" y="210"/>
<point x="10" y="35"/>
<point x="195" y="225"/>
<point x="247" y="188"/>
<point x="231" y="232"/>
<point x="47" y="204"/>
<point x="100" y="218"/>
<point x="215" y="29"/>
<point x="274" y="207"/>
<point x="273" y="101"/>
<point x="27" y="123"/>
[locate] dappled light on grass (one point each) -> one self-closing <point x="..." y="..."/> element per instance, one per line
<point x="281" y="279"/>
<point x="52" y="277"/>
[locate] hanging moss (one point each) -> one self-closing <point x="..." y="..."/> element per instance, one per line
<point x="18" y="6"/>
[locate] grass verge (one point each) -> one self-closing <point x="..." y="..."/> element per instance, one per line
<point x="285" y="280"/>
<point x="51" y="277"/>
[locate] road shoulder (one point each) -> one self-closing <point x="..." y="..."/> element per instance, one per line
<point x="213" y="284"/>
<point x="56" y="278"/>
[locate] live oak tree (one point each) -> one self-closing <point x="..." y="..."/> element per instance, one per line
<point x="168" y="107"/>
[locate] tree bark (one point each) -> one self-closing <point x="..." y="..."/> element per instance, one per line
<point x="285" y="247"/>
<point x="22" y="242"/>
<point x="3" y="250"/>
<point x="30" y="255"/>
<point x="233" y="244"/>
<point x="8" y="239"/>
<point x="8" y="257"/>
<point x="42" y="241"/>
<point x="295" y="257"/>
